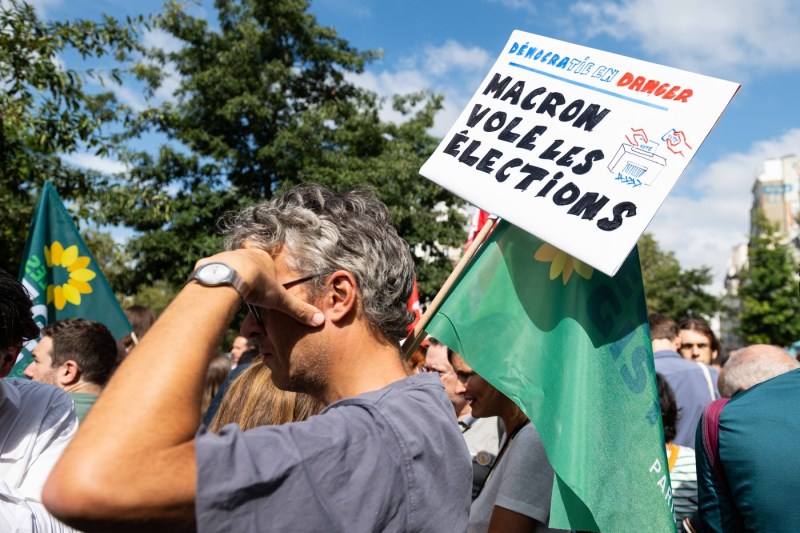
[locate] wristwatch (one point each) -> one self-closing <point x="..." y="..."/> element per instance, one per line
<point x="220" y="274"/>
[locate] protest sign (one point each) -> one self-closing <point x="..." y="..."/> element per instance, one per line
<point x="577" y="146"/>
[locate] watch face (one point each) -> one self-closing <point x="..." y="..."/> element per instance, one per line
<point x="214" y="274"/>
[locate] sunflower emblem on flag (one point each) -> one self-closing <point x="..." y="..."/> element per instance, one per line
<point x="561" y="263"/>
<point x="79" y="274"/>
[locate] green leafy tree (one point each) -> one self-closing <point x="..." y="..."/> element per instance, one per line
<point x="111" y="256"/>
<point x="264" y="103"/>
<point x="768" y="289"/>
<point x="669" y="289"/>
<point x="45" y="112"/>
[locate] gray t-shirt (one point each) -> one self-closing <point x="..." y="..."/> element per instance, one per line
<point x="388" y="460"/>
<point x="522" y="481"/>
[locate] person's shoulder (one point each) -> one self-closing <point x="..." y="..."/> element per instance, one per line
<point x="668" y="362"/>
<point x="527" y="441"/>
<point x="528" y="433"/>
<point x="44" y="406"/>
<point x="412" y="389"/>
<point x="33" y="391"/>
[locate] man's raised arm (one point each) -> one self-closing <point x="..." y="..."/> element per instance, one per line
<point x="133" y="459"/>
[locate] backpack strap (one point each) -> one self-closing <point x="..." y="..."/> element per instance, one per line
<point x="711" y="416"/>
<point x="709" y="382"/>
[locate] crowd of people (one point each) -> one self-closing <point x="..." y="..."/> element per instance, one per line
<point x="726" y="465"/>
<point x="315" y="422"/>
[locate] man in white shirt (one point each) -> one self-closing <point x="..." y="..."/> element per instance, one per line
<point x="37" y="421"/>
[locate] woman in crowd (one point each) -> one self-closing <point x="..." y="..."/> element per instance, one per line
<point x="218" y="370"/>
<point x="141" y="318"/>
<point x="680" y="459"/>
<point x="253" y="400"/>
<point x="516" y="495"/>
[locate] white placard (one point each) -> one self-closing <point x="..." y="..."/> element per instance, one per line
<point x="576" y="145"/>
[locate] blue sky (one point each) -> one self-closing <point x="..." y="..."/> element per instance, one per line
<point x="448" y="46"/>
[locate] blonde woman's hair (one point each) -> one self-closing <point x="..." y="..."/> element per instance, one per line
<point x="253" y="400"/>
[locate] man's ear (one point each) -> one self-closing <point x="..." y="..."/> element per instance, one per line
<point x="68" y="373"/>
<point x="677" y="342"/>
<point x="341" y="296"/>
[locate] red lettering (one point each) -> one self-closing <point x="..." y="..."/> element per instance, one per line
<point x="625" y="79"/>
<point x="685" y="94"/>
<point x="654" y="87"/>
<point x="650" y="86"/>
<point x="672" y="92"/>
<point x="637" y="83"/>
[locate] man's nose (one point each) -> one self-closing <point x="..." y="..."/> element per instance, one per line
<point x="250" y="327"/>
<point x="28" y="371"/>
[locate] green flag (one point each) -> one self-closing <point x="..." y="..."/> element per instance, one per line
<point x="62" y="276"/>
<point x="571" y="346"/>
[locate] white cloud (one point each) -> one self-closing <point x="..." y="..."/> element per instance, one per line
<point x="715" y="36"/>
<point x="455" y="57"/>
<point x="167" y="43"/>
<point x="452" y="69"/>
<point x="95" y="162"/>
<point x="162" y="40"/>
<point x="517" y="5"/>
<point x="40" y="6"/>
<point x="709" y="214"/>
<point x="128" y="95"/>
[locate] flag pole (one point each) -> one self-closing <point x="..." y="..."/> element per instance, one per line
<point x="416" y="337"/>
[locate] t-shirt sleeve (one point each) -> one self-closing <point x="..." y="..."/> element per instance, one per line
<point x="298" y="477"/>
<point x="527" y="483"/>
<point x="235" y="469"/>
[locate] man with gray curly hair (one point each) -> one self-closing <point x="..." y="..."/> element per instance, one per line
<point x="326" y="279"/>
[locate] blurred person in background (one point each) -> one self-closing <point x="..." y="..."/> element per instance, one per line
<point x="698" y="341"/>
<point x="218" y="370"/>
<point x="75" y="355"/>
<point x="239" y="346"/>
<point x="141" y="319"/>
<point x="253" y="400"/>
<point x="694" y="384"/>
<point x="244" y="360"/>
<point x="680" y="459"/>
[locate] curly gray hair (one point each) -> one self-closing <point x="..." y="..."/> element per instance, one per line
<point x="321" y="231"/>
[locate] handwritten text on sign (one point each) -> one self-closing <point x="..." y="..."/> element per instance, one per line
<point x="577" y="146"/>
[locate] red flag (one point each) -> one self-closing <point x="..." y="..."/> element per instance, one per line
<point x="413" y="306"/>
<point x="475" y="225"/>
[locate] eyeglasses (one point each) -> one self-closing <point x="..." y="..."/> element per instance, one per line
<point x="288" y="285"/>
